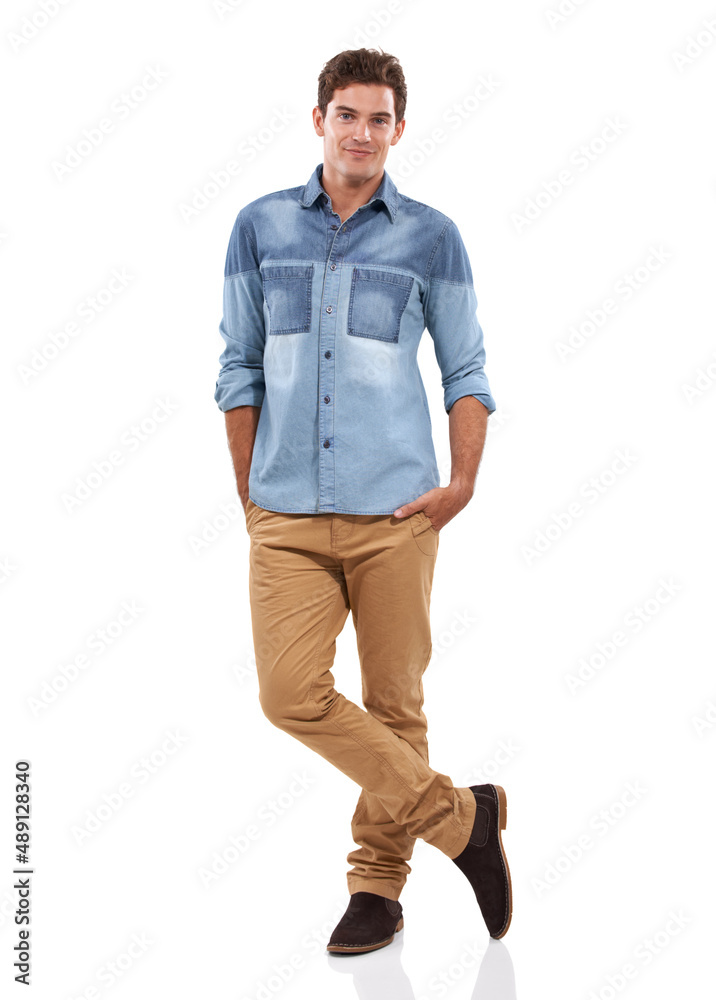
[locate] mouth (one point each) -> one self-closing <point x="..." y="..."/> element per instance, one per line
<point x="360" y="152"/>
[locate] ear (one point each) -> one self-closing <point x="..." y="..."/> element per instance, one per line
<point x="318" y="120"/>
<point x="399" y="129"/>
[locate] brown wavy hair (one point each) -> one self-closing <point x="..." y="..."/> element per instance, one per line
<point x="362" y="66"/>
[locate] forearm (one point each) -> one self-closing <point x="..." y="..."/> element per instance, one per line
<point x="241" y="424"/>
<point x="468" y="429"/>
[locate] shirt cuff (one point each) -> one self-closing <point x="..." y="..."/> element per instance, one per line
<point x="231" y="394"/>
<point x="483" y="394"/>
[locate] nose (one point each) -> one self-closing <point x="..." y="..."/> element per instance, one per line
<point x="363" y="134"/>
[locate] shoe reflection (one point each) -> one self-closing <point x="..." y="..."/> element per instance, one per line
<point x="496" y="975"/>
<point x="379" y="975"/>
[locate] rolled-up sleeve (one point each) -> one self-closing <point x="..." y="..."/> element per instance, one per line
<point x="450" y="306"/>
<point x="241" y="378"/>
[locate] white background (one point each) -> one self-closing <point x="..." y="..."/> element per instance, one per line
<point x="524" y="590"/>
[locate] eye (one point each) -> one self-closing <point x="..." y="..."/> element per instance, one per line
<point x="347" y="114"/>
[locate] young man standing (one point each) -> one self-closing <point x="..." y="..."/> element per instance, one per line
<point x="328" y="289"/>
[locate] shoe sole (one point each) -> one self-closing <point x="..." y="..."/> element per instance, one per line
<point x="501" y="824"/>
<point x="349" y="949"/>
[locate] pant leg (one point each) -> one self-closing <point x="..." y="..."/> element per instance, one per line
<point x="299" y="605"/>
<point x="389" y="594"/>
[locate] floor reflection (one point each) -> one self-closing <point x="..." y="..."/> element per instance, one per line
<point x="379" y="975"/>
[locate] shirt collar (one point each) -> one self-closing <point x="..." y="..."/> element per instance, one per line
<point x="386" y="191"/>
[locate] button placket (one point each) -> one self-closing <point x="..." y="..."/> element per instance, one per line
<point x="327" y="370"/>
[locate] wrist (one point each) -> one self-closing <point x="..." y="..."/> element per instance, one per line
<point x="461" y="487"/>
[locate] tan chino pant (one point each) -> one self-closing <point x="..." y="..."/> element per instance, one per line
<point x="306" y="572"/>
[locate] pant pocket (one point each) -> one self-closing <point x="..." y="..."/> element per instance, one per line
<point x="426" y="537"/>
<point x="252" y="513"/>
<point x="426" y="517"/>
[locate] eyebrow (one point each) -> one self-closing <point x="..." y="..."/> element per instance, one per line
<point x="376" y="114"/>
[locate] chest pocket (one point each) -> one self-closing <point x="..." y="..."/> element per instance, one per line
<point x="287" y="290"/>
<point x="377" y="303"/>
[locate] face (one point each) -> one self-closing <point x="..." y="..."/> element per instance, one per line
<point x="358" y="130"/>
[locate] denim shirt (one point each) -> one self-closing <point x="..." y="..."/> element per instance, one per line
<point x="321" y="325"/>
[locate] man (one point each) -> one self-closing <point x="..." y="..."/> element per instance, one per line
<point x="328" y="289"/>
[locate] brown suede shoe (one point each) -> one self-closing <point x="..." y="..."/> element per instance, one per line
<point x="371" y="921"/>
<point x="483" y="860"/>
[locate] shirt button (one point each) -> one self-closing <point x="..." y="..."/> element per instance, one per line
<point x="329" y="309"/>
<point x="326" y="399"/>
<point x="327" y="354"/>
<point x="334" y="226"/>
<point x="333" y="267"/>
<point x="326" y="443"/>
